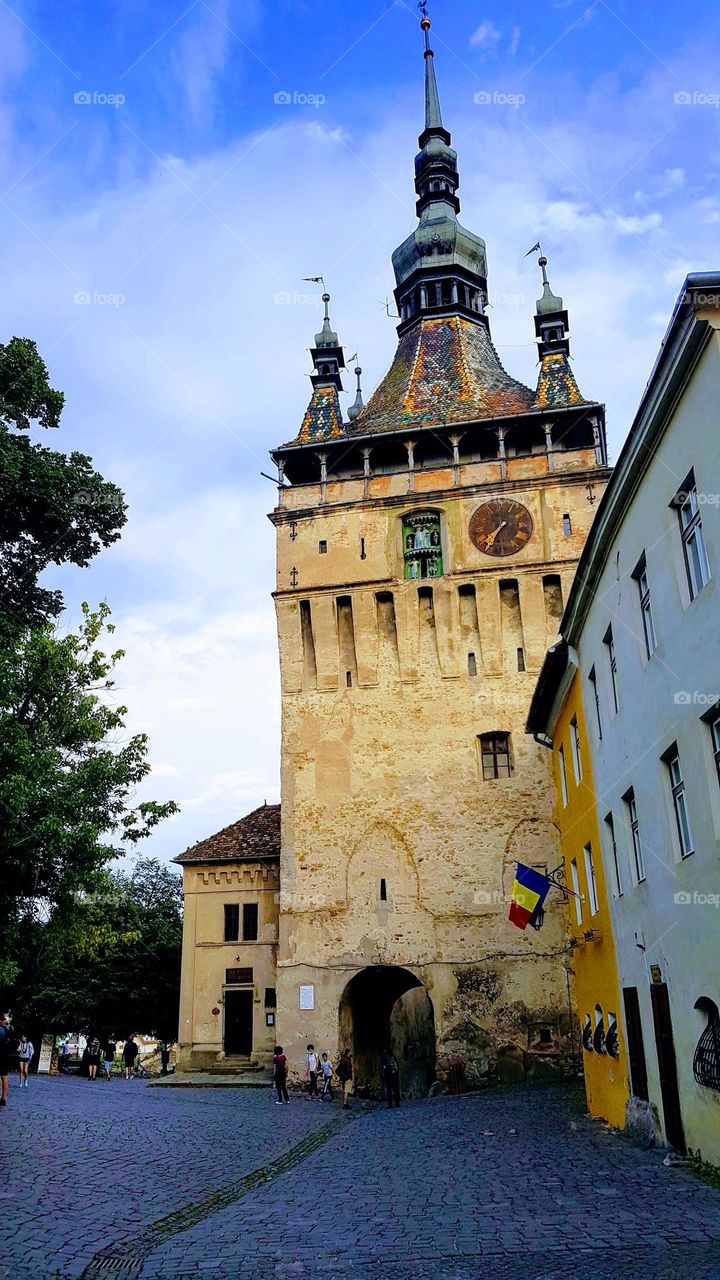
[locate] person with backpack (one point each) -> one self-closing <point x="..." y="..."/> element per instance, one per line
<point x="344" y="1073"/>
<point x="25" y="1053"/>
<point x="109" y="1056"/>
<point x="313" y="1063"/>
<point x="93" y="1056"/>
<point x="7" y="1038"/>
<point x="130" y="1053"/>
<point x="328" y="1071"/>
<point x="280" y="1075"/>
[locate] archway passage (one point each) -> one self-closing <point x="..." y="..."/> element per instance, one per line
<point x="386" y="1007"/>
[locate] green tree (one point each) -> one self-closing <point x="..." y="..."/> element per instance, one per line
<point x="54" y="508"/>
<point x="67" y="775"/>
<point x="110" y="959"/>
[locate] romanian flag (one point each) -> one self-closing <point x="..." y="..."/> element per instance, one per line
<point x="527" y="895"/>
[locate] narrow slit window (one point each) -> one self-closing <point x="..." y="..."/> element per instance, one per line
<point x="575" y="744"/>
<point x="567" y="525"/>
<point x="633" y="824"/>
<point x="383" y="890"/>
<point x="592" y="677"/>
<point x="362" y="549"/>
<point x="250" y="921"/>
<point x="575" y="884"/>
<point x="322" y="547"/>
<point x="472" y="664"/>
<point x="232" y="922"/>
<point x="609" y="643"/>
<point x="348" y="679"/>
<point x="641" y="577"/>
<point x="679" y="799"/>
<point x="610" y="824"/>
<point x="591" y="882"/>
<point x="521" y="659"/>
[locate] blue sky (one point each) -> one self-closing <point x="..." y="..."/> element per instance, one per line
<point x="160" y="205"/>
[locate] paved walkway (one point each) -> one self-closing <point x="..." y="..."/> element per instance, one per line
<point x="119" y="1179"/>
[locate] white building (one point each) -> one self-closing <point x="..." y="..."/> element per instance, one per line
<point x="644" y="620"/>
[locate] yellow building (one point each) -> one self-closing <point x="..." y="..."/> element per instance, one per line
<point x="556" y="717"/>
<point x="230" y="930"/>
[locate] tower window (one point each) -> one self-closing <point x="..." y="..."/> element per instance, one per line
<point x="362" y="549"/>
<point x="422" y="545"/>
<point x="472" y="664"/>
<point x="567" y="525"/>
<point x="348" y="679"/>
<point x="322" y="547"/>
<point x="521" y="659"/>
<point x="495" y="755"/>
<point x="383" y="891"/>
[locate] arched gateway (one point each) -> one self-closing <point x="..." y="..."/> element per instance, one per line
<point x="386" y="1007"/>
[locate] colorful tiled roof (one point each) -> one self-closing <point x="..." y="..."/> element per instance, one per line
<point x="446" y="369"/>
<point x="257" y="835"/>
<point x="323" y="417"/>
<point x="557" y="387"/>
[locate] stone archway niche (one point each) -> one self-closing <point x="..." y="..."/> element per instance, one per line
<point x="385" y="1006"/>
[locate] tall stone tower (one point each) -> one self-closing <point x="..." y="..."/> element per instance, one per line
<point x="424" y="549"/>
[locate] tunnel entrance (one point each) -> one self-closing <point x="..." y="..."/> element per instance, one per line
<point x="386" y="1007"/>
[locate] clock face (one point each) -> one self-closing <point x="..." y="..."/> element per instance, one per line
<point x="501" y="527"/>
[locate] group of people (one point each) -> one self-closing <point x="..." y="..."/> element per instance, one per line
<point x="107" y="1051"/>
<point x="21" y="1048"/>
<point x="321" y="1071"/>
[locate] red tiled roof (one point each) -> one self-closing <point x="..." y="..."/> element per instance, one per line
<point x="257" y="835"/>
<point x="446" y="369"/>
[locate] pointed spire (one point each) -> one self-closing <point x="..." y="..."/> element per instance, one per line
<point x="433" y="115"/>
<point x="326" y="337"/>
<point x="556" y="381"/>
<point x="323" y="417"/>
<point x="549" y="301"/>
<point x="357" y="404"/>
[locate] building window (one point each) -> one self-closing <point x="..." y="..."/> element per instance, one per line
<point x="383" y="890"/>
<point x="521" y="659"/>
<point x="322" y="547"/>
<point x="706" y="1062"/>
<point x="590" y="877"/>
<point x="422" y="545"/>
<point x="575" y="882"/>
<point x="691" y="533"/>
<point x="712" y="720"/>
<point x="634" y="827"/>
<point x="596" y="699"/>
<point x="640" y="576"/>
<point x="232" y="922"/>
<point x="567" y="525"/>
<point x="575" y="745"/>
<point x="250" y="921"/>
<point x="495" y="755"/>
<point x="270" y="998"/>
<point x="472" y="664"/>
<point x="609" y="821"/>
<point x="612" y="663"/>
<point x="563" y="775"/>
<point x="679" y="799"/>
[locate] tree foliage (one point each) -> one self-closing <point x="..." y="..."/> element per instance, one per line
<point x="110" y="959"/>
<point x="67" y="773"/>
<point x="54" y="508"/>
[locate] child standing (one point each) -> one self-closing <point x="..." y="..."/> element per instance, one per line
<point x="25" y="1053"/>
<point x="280" y="1075"/>
<point x="313" y="1063"/>
<point x="328" y="1071"/>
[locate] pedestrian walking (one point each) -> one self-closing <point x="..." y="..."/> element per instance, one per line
<point x="280" y="1075"/>
<point x="313" y="1065"/>
<point x="130" y="1053"/>
<point x="391" y="1078"/>
<point x="164" y="1058"/>
<point x="6" y="1045"/>
<point x="328" y="1071"/>
<point x="25" y="1053"/>
<point x="344" y="1073"/>
<point x="109" y="1055"/>
<point x="93" y="1056"/>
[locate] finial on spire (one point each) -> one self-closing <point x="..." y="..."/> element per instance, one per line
<point x="433" y="116"/>
<point x="357" y="404"/>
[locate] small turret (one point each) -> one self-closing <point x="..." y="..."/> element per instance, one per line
<point x="357" y="404"/>
<point x="323" y="417"/>
<point x="556" y="382"/>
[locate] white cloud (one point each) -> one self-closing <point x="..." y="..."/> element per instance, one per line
<point x="486" y="37"/>
<point x="514" y="41"/>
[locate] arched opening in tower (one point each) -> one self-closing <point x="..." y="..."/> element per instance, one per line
<point x="386" y="1008"/>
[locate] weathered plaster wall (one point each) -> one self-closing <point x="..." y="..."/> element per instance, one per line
<point x="206" y="957"/>
<point x="381" y="776"/>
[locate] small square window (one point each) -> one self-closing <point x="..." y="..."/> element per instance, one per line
<point x="567" y="525"/>
<point x="322" y="547"/>
<point x="270" y="998"/>
<point x="495" y="755"/>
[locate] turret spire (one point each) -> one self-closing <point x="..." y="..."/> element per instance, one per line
<point x="556" y="381"/>
<point x="433" y="116"/>
<point x="323" y="417"/>
<point x="357" y="404"/>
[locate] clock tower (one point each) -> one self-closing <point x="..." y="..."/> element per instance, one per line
<point x="425" y="546"/>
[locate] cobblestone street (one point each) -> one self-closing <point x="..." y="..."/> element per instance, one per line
<point x="111" y="1179"/>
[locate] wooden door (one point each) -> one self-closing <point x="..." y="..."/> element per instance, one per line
<point x="635" y="1043"/>
<point x="238" y="1023"/>
<point x="667" y="1064"/>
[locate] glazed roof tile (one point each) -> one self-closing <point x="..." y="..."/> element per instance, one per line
<point x="257" y="835"/>
<point x="557" y="388"/>
<point x="446" y="369"/>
